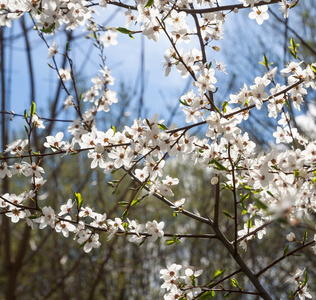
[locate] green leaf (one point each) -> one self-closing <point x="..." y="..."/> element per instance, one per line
<point x="305" y="236"/>
<point x="286" y="250"/>
<point x="170" y="242"/>
<point x="124" y="30"/>
<point x="114" y="129"/>
<point x="313" y="68"/>
<point x="249" y="223"/>
<point x="218" y="165"/>
<point x="207" y="295"/>
<point x="142" y="242"/>
<point x="227" y="214"/>
<point x="33" y="108"/>
<point x="125" y="225"/>
<point x="163" y="127"/>
<point x="269" y="193"/>
<point x="184" y="102"/>
<point x="244" y="197"/>
<point x="174" y="239"/>
<point x="125" y="213"/>
<point x="123" y="203"/>
<point x="149" y="3"/>
<point x="235" y="283"/>
<point x="306" y="279"/>
<point x="49" y="29"/>
<point x="265" y="61"/>
<point x="211" y="285"/>
<point x="292" y="43"/>
<point x="78" y="199"/>
<point x="25" y="127"/>
<point x="81" y="245"/>
<point x="25" y="114"/>
<point x="33" y="217"/>
<point x="135" y="201"/>
<point x="148" y="123"/>
<point x="291" y="295"/>
<point x="224" y="106"/>
<point x="218" y="273"/>
<point x="246" y="187"/>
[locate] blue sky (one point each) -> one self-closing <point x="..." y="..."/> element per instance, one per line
<point x="161" y="93"/>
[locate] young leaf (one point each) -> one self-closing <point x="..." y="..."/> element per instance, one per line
<point x="125" y="213"/>
<point x="162" y="126"/>
<point x="78" y="199"/>
<point x="149" y="3"/>
<point x="235" y="283"/>
<point x="207" y="295"/>
<point x="218" y="273"/>
<point x="113" y="128"/>
<point x="305" y="236"/>
<point x="125" y="225"/>
<point x="306" y="279"/>
<point x="183" y="102"/>
<point x="265" y="61"/>
<point x="148" y="123"/>
<point x="124" y="30"/>
<point x="135" y="201"/>
<point x="224" y="105"/>
<point x="227" y="214"/>
<point x="286" y="250"/>
<point x="170" y="242"/>
<point x="211" y="285"/>
<point x="218" y="165"/>
<point x="33" y="108"/>
<point x="244" y="197"/>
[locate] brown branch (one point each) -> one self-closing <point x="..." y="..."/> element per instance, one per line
<point x="225" y="7"/>
<point x="235" y="199"/>
<point x="13" y="114"/>
<point x="283" y="257"/>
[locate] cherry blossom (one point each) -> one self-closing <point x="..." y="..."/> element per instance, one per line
<point x="259" y="14"/>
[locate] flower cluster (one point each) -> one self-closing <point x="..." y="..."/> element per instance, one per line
<point x="185" y="286"/>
